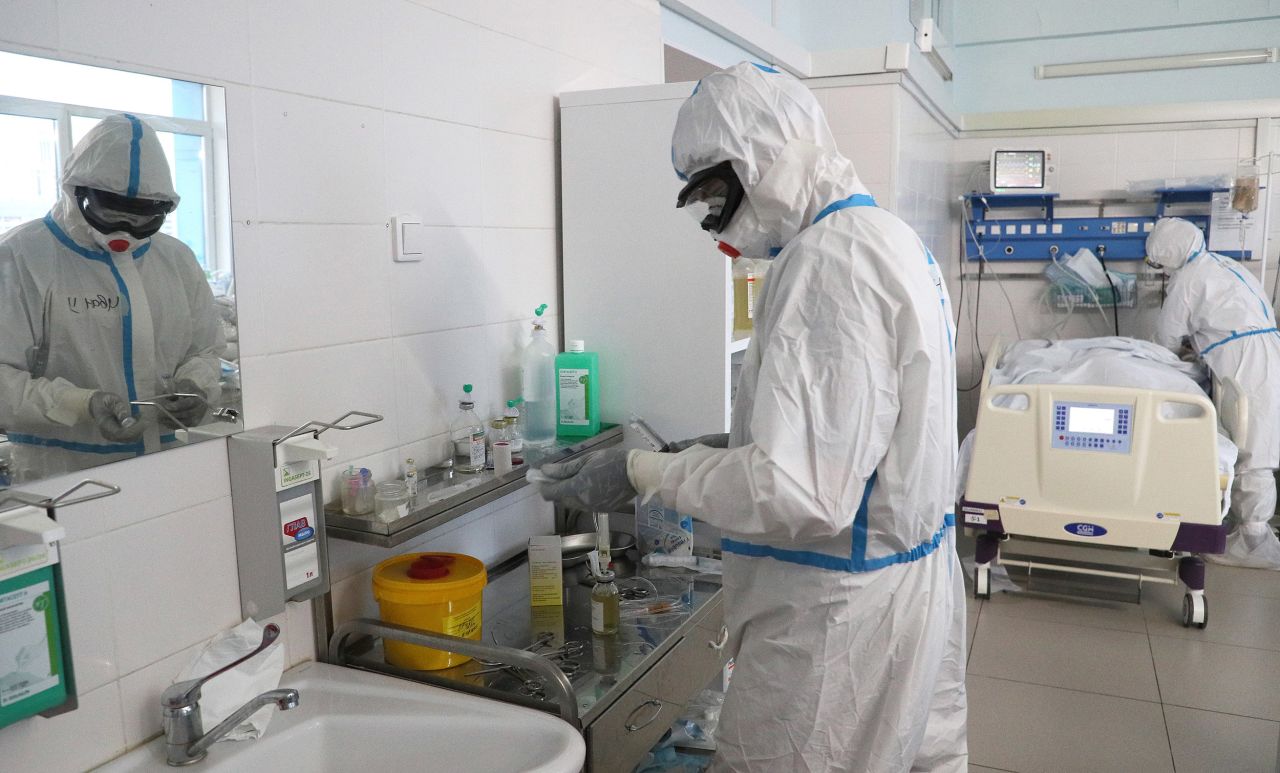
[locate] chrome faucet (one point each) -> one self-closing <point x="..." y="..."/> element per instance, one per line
<point x="184" y="734"/>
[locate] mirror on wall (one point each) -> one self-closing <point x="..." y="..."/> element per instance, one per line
<point x="118" y="325"/>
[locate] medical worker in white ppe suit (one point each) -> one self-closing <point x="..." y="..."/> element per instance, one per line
<point x="98" y="309"/>
<point x="1221" y="307"/>
<point x="844" y="594"/>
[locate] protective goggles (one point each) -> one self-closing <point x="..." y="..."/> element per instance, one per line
<point x="712" y="196"/>
<point x="109" y="212"/>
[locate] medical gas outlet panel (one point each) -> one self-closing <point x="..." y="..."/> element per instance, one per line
<point x="1099" y="427"/>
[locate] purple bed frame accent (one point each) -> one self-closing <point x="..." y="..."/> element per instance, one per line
<point x="1200" y="538"/>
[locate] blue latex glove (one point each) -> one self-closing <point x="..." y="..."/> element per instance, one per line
<point x="596" y="482"/>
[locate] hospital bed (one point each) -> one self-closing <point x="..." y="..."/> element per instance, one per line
<point x="1079" y="466"/>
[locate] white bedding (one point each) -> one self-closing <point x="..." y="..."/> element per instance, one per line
<point x="1109" y="361"/>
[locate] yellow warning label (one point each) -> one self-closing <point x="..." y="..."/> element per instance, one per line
<point x="465" y="624"/>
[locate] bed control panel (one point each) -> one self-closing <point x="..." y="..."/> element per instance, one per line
<point x="1100" y="427"/>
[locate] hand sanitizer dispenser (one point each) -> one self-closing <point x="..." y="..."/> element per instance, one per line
<point x="278" y="505"/>
<point x="34" y="657"/>
<point x="279" y="516"/>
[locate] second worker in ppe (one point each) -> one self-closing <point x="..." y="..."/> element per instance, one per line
<point x="1222" y="309"/>
<point x="100" y="310"/>
<point x="844" y="593"/>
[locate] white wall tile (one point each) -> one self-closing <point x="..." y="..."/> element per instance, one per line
<point x="523" y="269"/>
<point x="173" y="581"/>
<point x="140" y="694"/>
<point x="871" y="154"/>
<point x="1085" y="150"/>
<point x="1134" y="171"/>
<point x="431" y="369"/>
<point x="31" y="23"/>
<point x="1146" y="146"/>
<point x="86" y="574"/>
<point x="433" y="64"/>
<point x="520" y="81"/>
<point x="1082" y="180"/>
<point x="334" y="52"/>
<point x="450" y="287"/>
<point x="1224" y="166"/>
<point x="326" y="383"/>
<point x="433" y="170"/>
<point x="329" y="285"/>
<point x="1202" y="144"/>
<point x="318" y="161"/>
<point x="518" y="181"/>
<point x="72" y="742"/>
<point x="182" y="35"/>
<point x="176" y="479"/>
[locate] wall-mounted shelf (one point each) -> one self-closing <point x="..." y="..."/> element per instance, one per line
<point x="480" y="489"/>
<point x="1044" y="235"/>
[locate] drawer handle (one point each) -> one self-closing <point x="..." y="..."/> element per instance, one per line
<point x="657" y="711"/>
<point x="724" y="639"/>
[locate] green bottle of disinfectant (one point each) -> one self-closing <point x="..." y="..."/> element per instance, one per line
<point x="577" y="392"/>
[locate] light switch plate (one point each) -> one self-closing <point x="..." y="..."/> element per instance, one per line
<point x="407" y="238"/>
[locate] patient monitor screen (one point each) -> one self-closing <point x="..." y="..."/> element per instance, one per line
<point x="1017" y="170"/>
<point x="1096" y="421"/>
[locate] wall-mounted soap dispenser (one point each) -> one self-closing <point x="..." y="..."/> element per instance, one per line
<point x="36" y="675"/>
<point x="278" y="503"/>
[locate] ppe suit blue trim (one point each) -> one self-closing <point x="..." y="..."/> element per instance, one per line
<point x="836" y="563"/>
<point x="858" y="555"/>
<point x="127" y="319"/>
<point x="1236" y="337"/>
<point x="856" y="200"/>
<point x="84" y="448"/>
<point x="684" y="178"/>
<point x="1195" y="255"/>
<point x="142" y="250"/>
<point x="135" y="156"/>
<point x="1266" y="314"/>
<point x="766" y="68"/>
<point x="775" y="252"/>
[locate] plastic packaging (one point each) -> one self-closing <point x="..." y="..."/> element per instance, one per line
<point x="539" y="385"/>
<point x="468" y="436"/>
<point x="577" y="392"/>
<point x="1244" y="188"/>
<point x="440" y="592"/>
<point x="660" y="529"/>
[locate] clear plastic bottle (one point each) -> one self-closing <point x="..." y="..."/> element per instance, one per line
<point x="468" y="436"/>
<point x="539" y="384"/>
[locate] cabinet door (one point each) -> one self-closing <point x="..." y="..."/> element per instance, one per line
<point x="643" y="285"/>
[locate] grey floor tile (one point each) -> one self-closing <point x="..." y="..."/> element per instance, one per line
<point x="1246" y="582"/>
<point x="1076" y="657"/>
<point x="1098" y="614"/>
<point x="1217" y="677"/>
<point x="1204" y="741"/>
<point x="1245" y="621"/>
<point x="1035" y="729"/>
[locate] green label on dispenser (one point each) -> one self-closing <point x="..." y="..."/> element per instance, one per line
<point x="28" y="654"/>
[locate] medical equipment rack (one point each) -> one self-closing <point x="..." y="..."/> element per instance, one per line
<point x="1050" y="237"/>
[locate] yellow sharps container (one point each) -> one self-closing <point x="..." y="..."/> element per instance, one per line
<point x="440" y="592"/>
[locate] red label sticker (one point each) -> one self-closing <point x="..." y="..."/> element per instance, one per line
<point x="292" y="528"/>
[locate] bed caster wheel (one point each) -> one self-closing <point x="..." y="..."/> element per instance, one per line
<point x="1195" y="610"/>
<point x="982" y="583"/>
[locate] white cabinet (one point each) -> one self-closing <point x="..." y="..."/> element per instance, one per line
<point x="643" y="285"/>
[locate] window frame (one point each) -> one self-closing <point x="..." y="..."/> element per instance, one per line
<point x="216" y="194"/>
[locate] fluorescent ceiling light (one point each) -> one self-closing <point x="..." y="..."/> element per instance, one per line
<point x="1152" y="63"/>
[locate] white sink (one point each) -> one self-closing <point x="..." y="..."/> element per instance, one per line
<point x="349" y="720"/>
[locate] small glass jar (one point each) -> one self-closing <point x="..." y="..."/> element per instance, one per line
<point x="391" y="501"/>
<point x="356" y="492"/>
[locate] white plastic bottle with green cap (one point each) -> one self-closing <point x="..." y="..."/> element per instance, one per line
<point x="539" y="376"/>
<point x="468" y="436"/>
